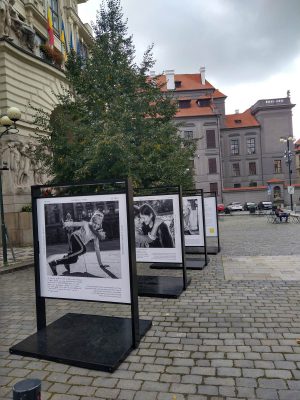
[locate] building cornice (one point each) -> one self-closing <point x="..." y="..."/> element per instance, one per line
<point x="28" y="57"/>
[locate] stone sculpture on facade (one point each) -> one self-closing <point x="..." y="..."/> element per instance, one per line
<point x="14" y="27"/>
<point x="5" y="20"/>
<point x="24" y="170"/>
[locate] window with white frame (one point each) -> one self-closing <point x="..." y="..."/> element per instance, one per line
<point x="234" y="147"/>
<point x="251" y="146"/>
<point x="236" y="169"/>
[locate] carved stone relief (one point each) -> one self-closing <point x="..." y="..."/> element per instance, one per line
<point x="24" y="170"/>
<point x="14" y="27"/>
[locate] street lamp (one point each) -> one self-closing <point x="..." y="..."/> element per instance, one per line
<point x="288" y="154"/>
<point x="8" y="122"/>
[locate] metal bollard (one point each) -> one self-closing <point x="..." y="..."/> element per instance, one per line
<point x="29" y="389"/>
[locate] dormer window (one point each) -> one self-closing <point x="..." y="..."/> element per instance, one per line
<point x="184" y="103"/>
<point x="177" y="84"/>
<point x="203" y="102"/>
<point x="238" y="121"/>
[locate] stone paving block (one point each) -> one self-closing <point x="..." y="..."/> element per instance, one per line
<point x="183" y="388"/>
<point x="289" y="395"/>
<point x="104" y="382"/>
<point x="106" y="393"/>
<point x="272" y="383"/>
<point x="207" y="389"/>
<point x="246" y="392"/>
<point x="267" y="394"/>
<point x="278" y="373"/>
<point x="59" y="388"/>
<point x="140" y="395"/>
<point x="126" y="394"/>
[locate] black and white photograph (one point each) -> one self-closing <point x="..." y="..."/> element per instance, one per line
<point x="157" y="228"/>
<point x="82" y="242"/>
<point x="193" y="221"/>
<point x="210" y="216"/>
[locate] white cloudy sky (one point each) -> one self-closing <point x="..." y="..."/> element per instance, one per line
<point x="250" y="48"/>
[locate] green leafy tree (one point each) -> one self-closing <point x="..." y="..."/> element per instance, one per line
<point x="114" y="121"/>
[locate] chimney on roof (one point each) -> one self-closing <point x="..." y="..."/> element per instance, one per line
<point x="152" y="74"/>
<point x="202" y="75"/>
<point x="237" y="111"/>
<point x="170" y="77"/>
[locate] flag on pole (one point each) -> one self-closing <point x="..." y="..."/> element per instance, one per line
<point x="50" y="28"/>
<point x="64" y="49"/>
<point x="71" y="42"/>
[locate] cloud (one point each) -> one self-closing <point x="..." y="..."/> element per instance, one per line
<point x="245" y="45"/>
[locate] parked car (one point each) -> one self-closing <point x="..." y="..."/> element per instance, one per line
<point x="221" y="207"/>
<point x="234" y="206"/>
<point x="249" y="205"/>
<point x="265" y="205"/>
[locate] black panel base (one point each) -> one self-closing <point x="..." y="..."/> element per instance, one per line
<point x="200" y="250"/>
<point x="190" y="263"/>
<point x="86" y="341"/>
<point x="195" y="263"/>
<point x="169" y="287"/>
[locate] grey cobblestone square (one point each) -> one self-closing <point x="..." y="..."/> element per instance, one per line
<point x="222" y="339"/>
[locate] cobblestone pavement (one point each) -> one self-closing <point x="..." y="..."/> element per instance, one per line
<point x="23" y="257"/>
<point x="220" y="340"/>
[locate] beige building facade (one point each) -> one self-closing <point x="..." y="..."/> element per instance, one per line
<point x="29" y="79"/>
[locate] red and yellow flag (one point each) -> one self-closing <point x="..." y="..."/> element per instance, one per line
<point x="50" y="28"/>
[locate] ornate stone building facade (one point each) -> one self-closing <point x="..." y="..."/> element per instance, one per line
<point x="29" y="78"/>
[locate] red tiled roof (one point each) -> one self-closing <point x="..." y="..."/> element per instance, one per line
<point x="194" y="110"/>
<point x="188" y="82"/>
<point x="275" y="180"/>
<point x="246" y="119"/>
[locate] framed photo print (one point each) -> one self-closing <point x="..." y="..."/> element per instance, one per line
<point x="157" y="228"/>
<point x="193" y="221"/>
<point x="83" y="248"/>
<point x="211" y="223"/>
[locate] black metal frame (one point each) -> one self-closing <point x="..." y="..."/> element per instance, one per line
<point x="199" y="192"/>
<point x="214" y="194"/>
<point x="136" y="331"/>
<point x="157" y="191"/>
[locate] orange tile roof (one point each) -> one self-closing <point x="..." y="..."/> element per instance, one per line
<point x="194" y="111"/>
<point x="275" y="180"/>
<point x="246" y="118"/>
<point x="189" y="82"/>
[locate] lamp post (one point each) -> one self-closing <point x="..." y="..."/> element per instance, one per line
<point x="288" y="154"/>
<point x="9" y="123"/>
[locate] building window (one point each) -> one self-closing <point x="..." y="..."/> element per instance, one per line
<point x="211" y="139"/>
<point x="212" y="165"/>
<point x="251" y="146"/>
<point x="236" y="169"/>
<point x="213" y="187"/>
<point x="203" y="102"/>
<point x="188" y="135"/>
<point x="252" y="168"/>
<point x="177" y="84"/>
<point x="252" y="183"/>
<point x="236" y="185"/>
<point x="184" y="103"/>
<point x="234" y="147"/>
<point x="277" y="167"/>
<point x="54" y="10"/>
